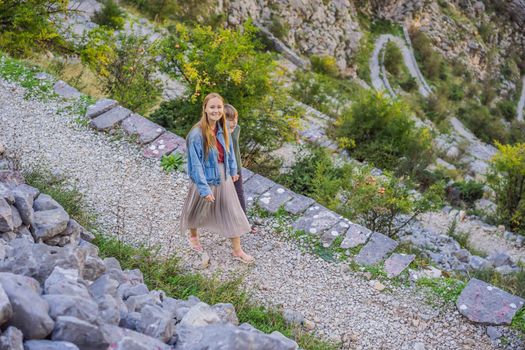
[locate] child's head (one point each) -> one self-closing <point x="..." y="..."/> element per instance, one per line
<point x="231" y="116"/>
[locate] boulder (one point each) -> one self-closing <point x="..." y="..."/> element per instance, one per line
<point x="396" y="263"/>
<point x="50" y="223"/>
<point x="200" y="314"/>
<point x="6" y="216"/>
<point x="126" y="290"/>
<point x="12" y="339"/>
<point x="377" y="248"/>
<point x="499" y="259"/>
<point x="136" y="303"/>
<point x="6" y="193"/>
<point x="30" y="310"/>
<point x="24" y="198"/>
<point x="65" y="281"/>
<point x="110" y="119"/>
<point x="71" y="305"/>
<point x="45" y="202"/>
<point x="6" y="310"/>
<point x="81" y="333"/>
<point x="156" y="323"/>
<point x="145" y="130"/>
<point x="101" y="106"/>
<point x="17" y="219"/>
<point x="109" y="309"/>
<point x="226" y="313"/>
<point x="355" y="236"/>
<point x="483" y="303"/>
<point x="49" y="345"/>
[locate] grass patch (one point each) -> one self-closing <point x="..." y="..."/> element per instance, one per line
<point x="518" y="322"/>
<point x="14" y="70"/>
<point x="167" y="273"/>
<point x="513" y="283"/>
<point x="446" y="289"/>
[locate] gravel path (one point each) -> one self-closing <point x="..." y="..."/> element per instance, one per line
<point x="112" y="174"/>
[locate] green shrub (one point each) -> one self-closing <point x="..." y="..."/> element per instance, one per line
<point x="393" y="58"/>
<point x="381" y="131"/>
<point x="172" y="162"/>
<point x="469" y="191"/>
<point x="110" y="15"/>
<point x="482" y="122"/>
<point x="191" y="11"/>
<point x="517" y="132"/>
<point x="228" y="61"/>
<point x="456" y="92"/>
<point x="25" y="26"/>
<point x="409" y="84"/>
<point x="507" y="109"/>
<point x="178" y="115"/>
<point x="324" y="64"/>
<point x="279" y="27"/>
<point x="507" y="179"/>
<point x="430" y="62"/>
<point x="126" y="67"/>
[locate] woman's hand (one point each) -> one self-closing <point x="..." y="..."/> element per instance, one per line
<point x="235" y="178"/>
<point x="209" y="198"/>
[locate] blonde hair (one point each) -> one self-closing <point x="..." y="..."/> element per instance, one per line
<point x="230" y="112"/>
<point x="207" y="133"/>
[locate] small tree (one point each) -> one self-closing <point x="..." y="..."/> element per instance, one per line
<point x="381" y="131"/>
<point x="507" y="178"/>
<point x="126" y="67"/>
<point x="26" y="26"/>
<point x="229" y="62"/>
<point x="111" y="15"/>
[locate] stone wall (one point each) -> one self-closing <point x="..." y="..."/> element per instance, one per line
<point x="57" y="293"/>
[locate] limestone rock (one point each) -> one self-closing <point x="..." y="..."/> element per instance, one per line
<point x="50" y="223"/>
<point x="274" y="198"/>
<point x="298" y="204"/>
<point x="376" y="249"/>
<point x="110" y="119"/>
<point x="80" y="307"/>
<point x="24" y="198"/>
<point x="165" y="144"/>
<point x="145" y="130"/>
<point x="355" y="236"/>
<point x="6" y="216"/>
<point x="396" y="263"/>
<point x="49" y="345"/>
<point x="316" y="220"/>
<point x="63" y="89"/>
<point x="6" y="310"/>
<point x="101" y="106"/>
<point x="45" y="202"/>
<point x="12" y="339"/>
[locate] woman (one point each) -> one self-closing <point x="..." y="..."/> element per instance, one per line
<point x="212" y="202"/>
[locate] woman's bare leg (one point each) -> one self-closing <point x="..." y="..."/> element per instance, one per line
<point x="238" y="252"/>
<point x="194" y="239"/>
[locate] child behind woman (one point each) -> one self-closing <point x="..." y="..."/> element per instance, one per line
<point x="232" y="118"/>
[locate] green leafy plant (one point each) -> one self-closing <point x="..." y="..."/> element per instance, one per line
<point x="172" y="162"/>
<point x="110" y="15"/>
<point x="507" y="179"/>
<point x="469" y="191"/>
<point x="325" y="64"/>
<point x="447" y="289"/>
<point x="228" y="61"/>
<point x="25" y="26"/>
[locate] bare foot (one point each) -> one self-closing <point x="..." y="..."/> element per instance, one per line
<point x="243" y="257"/>
<point x="195" y="244"/>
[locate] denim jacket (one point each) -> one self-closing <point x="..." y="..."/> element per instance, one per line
<point x="205" y="172"/>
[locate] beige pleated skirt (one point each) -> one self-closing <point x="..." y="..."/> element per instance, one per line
<point x="224" y="216"/>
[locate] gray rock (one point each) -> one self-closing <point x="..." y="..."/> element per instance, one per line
<point x="93" y="268"/>
<point x="130" y="321"/>
<point x="30" y="310"/>
<point x="71" y="305"/>
<point x="165" y="144"/>
<point x="81" y="333"/>
<point x="125" y="339"/>
<point x="232" y="338"/>
<point x="504" y="269"/>
<point x="316" y="220"/>
<point x="6" y="310"/>
<point x="136" y="303"/>
<point x="156" y="323"/>
<point x="110" y="119"/>
<point x="256" y="186"/>
<point x="500" y="259"/>
<point x="50" y="223"/>
<point x="462" y="255"/>
<point x="73" y="231"/>
<point x="6" y="216"/>
<point x="479" y="263"/>
<point x="6" y="193"/>
<point x="494" y="333"/>
<point x="45" y="202"/>
<point x="127" y="290"/>
<point x="482" y="303"/>
<point x="104" y="285"/>
<point x="65" y="90"/>
<point x="246" y="174"/>
<point x="145" y="130"/>
<point x="134" y="276"/>
<point x="298" y="204"/>
<point x="355" y="236"/>
<point x="396" y="263"/>
<point x="38" y="260"/>
<point x="112" y="263"/>
<point x="226" y="313"/>
<point x="65" y="281"/>
<point x="200" y="314"/>
<point x="101" y="106"/>
<point x="376" y="249"/>
<point x="274" y="198"/>
<point x="109" y="309"/>
<point x="12" y="339"/>
<point x="335" y="231"/>
<point x="23" y="232"/>
<point x="24" y="198"/>
<point x="49" y="345"/>
<point x="17" y="219"/>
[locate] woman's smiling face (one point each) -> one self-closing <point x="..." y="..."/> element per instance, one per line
<point x="214" y="109"/>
